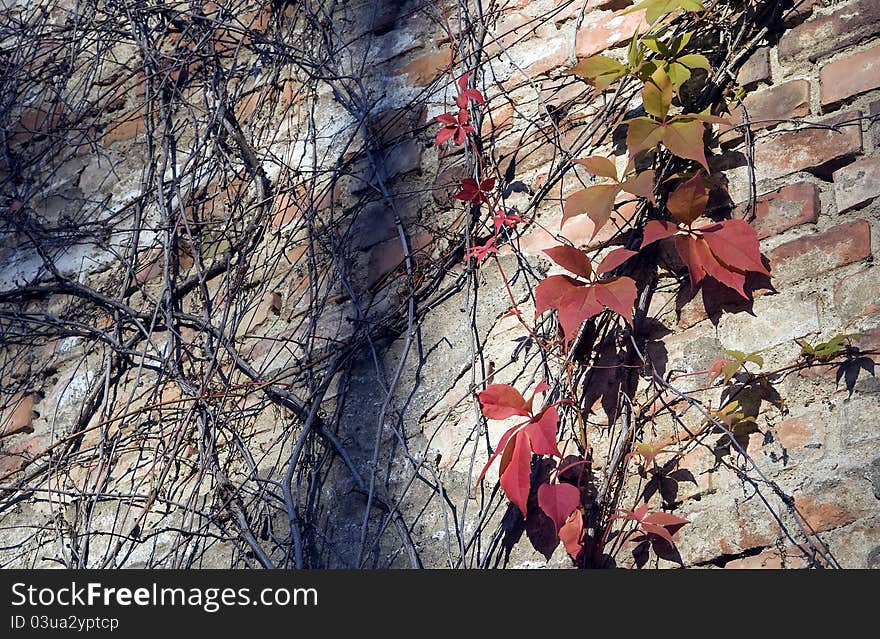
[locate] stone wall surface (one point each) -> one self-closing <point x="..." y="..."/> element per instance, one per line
<point x="243" y="250"/>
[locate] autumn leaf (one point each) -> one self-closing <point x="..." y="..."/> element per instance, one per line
<point x="550" y="290"/>
<point x="571" y="259"/>
<point x="597" y="202"/>
<point x="656" y="230"/>
<point x="597" y="165"/>
<point x="684" y="138"/>
<point x="688" y="201"/>
<point x="500" y="401"/>
<point x="476" y="192"/>
<point x="516" y="475"/>
<point x="614" y="259"/>
<point x="617" y="294"/>
<point x="541" y="431"/>
<point x="558" y="501"/>
<point x="640" y="184"/>
<point x="657" y="95"/>
<point x="576" y="307"/>
<point x="571" y="534"/>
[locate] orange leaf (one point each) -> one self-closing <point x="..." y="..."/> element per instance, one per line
<point x="516" y="479"/>
<point x="688" y="201"/>
<point x="684" y="137"/>
<point x="597" y="165"/>
<point x="595" y="201"/>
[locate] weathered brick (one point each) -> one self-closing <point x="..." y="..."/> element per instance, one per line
<point x="855" y="74"/>
<point x="781" y="102"/>
<point x="875" y="122"/>
<point x="388" y="256"/>
<point x="126" y="128"/>
<point x="802" y="437"/>
<point x="395" y="124"/>
<point x="857" y="183"/>
<point x="603" y="29"/>
<point x="826" y="34"/>
<point x="824" y="513"/>
<point x="756" y="68"/>
<point x="810" y="148"/>
<point x="20" y="454"/>
<point x="517" y="27"/>
<point x="815" y="254"/>
<point x="497" y="120"/>
<point x="857" y="297"/>
<point x="770" y="559"/>
<point x="786" y="208"/>
<point x="426" y="68"/>
<point x="18" y="416"/>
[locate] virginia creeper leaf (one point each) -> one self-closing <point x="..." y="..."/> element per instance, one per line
<point x="571" y="259"/>
<point x="643" y="134"/>
<point x="684" y="138"/>
<point x="575" y="307"/>
<point x="595" y="201"/>
<point x="688" y="201"/>
<point x="600" y="71"/>
<point x="500" y="401"/>
<point x="641" y="184"/>
<point x="571" y="534"/>
<point x="735" y="243"/>
<point x="657" y="230"/>
<point x="551" y="290"/>
<point x="542" y="432"/>
<point x="558" y="501"/>
<point x="617" y="294"/>
<point x="516" y="477"/>
<point x="657" y="94"/>
<point x="614" y="259"/>
<point x="597" y="165"/>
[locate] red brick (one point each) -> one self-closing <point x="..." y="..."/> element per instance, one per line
<point x="815" y="254"/>
<point x="756" y="68"/>
<point x="798" y="433"/>
<point x="501" y="119"/>
<point x="857" y="183"/>
<point x="426" y="68"/>
<point x="37" y="122"/>
<point x="850" y="76"/>
<point x="824" y="514"/>
<point x="126" y="128"/>
<point x="829" y="33"/>
<point x="602" y="30"/>
<point x="19" y="455"/>
<point x="781" y="102"/>
<point x="809" y="148"/>
<point x="18" y="417"/>
<point x="786" y="208"/>
<point x="555" y="57"/>
<point x="770" y="559"/>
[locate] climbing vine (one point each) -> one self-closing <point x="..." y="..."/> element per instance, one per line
<point x="666" y="171"/>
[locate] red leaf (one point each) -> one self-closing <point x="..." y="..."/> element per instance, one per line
<point x="550" y="292"/>
<point x="614" y="259"/>
<point x="472" y="94"/>
<point x="617" y="294"/>
<point x="596" y="201"/>
<point x="660" y="531"/>
<point x="447" y="119"/>
<point x="542" y="432"/>
<point x="664" y="519"/>
<point x="463" y="80"/>
<point x="471" y="191"/>
<point x="735" y="243"/>
<point x="500" y="401"/>
<point x="688" y="201"/>
<point x="480" y="253"/>
<point x="575" y="307"/>
<point x="558" y="501"/>
<point x="516" y="478"/>
<point x="657" y="230"/>
<point x="571" y="535"/>
<point x="597" y="165"/>
<point x="701" y="261"/>
<point x="571" y="259"/>
<point x="444" y="134"/>
<point x="501" y="448"/>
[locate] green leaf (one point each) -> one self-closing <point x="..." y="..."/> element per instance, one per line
<point x="657" y="95"/>
<point x="678" y="75"/>
<point x="694" y="61"/>
<point x="599" y="70"/>
<point x="680" y="42"/>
